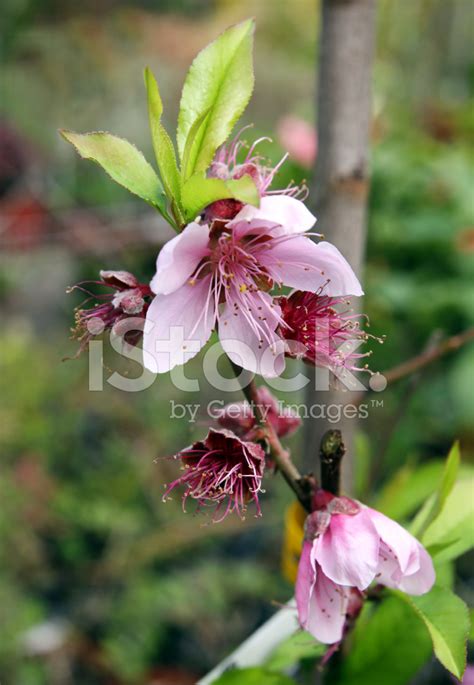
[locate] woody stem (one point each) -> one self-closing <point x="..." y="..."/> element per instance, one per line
<point x="301" y="485"/>
<point x="331" y="452"/>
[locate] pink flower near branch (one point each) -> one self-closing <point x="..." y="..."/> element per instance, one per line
<point x="323" y="331"/>
<point x="239" y="416"/>
<point x="222" y="471"/>
<point x="221" y="276"/>
<point x="347" y="546"/>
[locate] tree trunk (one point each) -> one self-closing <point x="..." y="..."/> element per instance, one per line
<point x="341" y="180"/>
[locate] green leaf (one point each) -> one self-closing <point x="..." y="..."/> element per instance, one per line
<point x="389" y="645"/>
<point x="220" y="80"/>
<point x="452" y="532"/>
<point x="199" y="192"/>
<point x="253" y="676"/>
<point x="162" y="145"/>
<point x="447" y="618"/>
<point x="194" y="137"/>
<point x="123" y="162"/>
<point x="299" y="646"/>
<point x="408" y="489"/>
<point x="434" y="505"/>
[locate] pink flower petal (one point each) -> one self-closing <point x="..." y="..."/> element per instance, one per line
<point x="348" y="551"/>
<point x="190" y="312"/>
<point x="423" y="579"/>
<point x="250" y="341"/>
<point x="301" y="263"/>
<point x="286" y="211"/>
<point x="179" y="257"/>
<point x="404" y="547"/>
<point x="388" y="571"/>
<point x="305" y="581"/>
<point x="327" y="609"/>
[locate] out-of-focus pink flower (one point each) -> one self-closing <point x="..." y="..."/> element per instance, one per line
<point x="225" y="166"/>
<point x="348" y="545"/>
<point x="220" y="276"/>
<point x="322" y="330"/>
<point x="111" y="310"/>
<point x="468" y="678"/>
<point x="299" y="138"/>
<point x="223" y="472"/>
<point x="239" y="416"/>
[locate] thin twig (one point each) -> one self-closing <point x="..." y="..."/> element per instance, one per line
<point x="428" y="356"/>
<point x="301" y="485"/>
<point x="409" y="390"/>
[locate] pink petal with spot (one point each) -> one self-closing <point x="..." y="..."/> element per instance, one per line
<point x="327" y="609"/>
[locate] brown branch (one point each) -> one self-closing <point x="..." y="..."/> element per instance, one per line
<point x="301" y="485"/>
<point x="429" y="356"/>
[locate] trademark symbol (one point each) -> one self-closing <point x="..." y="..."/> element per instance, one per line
<point x="376" y="403"/>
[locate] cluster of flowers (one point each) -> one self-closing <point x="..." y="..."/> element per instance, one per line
<point x="224" y="272"/>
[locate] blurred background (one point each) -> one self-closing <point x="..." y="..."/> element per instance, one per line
<point x="100" y="582"/>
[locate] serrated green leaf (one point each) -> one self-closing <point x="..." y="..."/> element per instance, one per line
<point x="388" y="645"/>
<point x="199" y="192"/>
<point x="253" y="676"/>
<point x="299" y="646"/>
<point x="447" y="618"/>
<point x="124" y="163"/>
<point x="434" y="505"/>
<point x="163" y="147"/>
<point x="452" y="532"/>
<point x="220" y="80"/>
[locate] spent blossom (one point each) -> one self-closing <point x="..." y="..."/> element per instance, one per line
<point x="221" y="471"/>
<point x="226" y="167"/>
<point x="323" y="331"/>
<point x="347" y="546"/>
<point x="127" y="298"/>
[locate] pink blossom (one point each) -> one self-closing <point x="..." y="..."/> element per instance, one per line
<point x="223" y="472"/>
<point x="111" y="310"/>
<point x="347" y="546"/>
<point x="322" y="330"/>
<point x="300" y="139"/>
<point x="239" y="416"/>
<point x="220" y="276"/>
